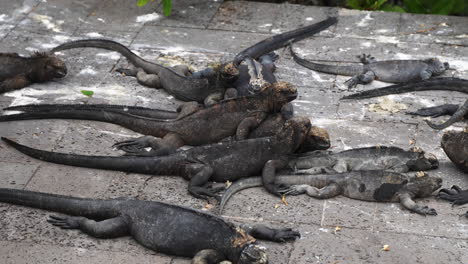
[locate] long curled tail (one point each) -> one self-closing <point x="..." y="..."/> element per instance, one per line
<point x="281" y="40"/>
<point x="458" y="116"/>
<point x="136" y="60"/>
<point x="59" y="203"/>
<point x="443" y="84"/>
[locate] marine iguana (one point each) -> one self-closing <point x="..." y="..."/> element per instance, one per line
<point x="205" y="85"/>
<point x="369" y="158"/>
<point x="455" y="145"/>
<point x="442" y="84"/>
<point x="162" y="227"/>
<point x="376" y="186"/>
<point x="195" y="126"/>
<point x="17" y="72"/>
<point x="392" y="71"/>
<point x="217" y="162"/>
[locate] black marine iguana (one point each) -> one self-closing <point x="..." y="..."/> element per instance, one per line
<point x="376" y="186"/>
<point x="221" y="162"/>
<point x="236" y="116"/>
<point x="17" y="72"/>
<point x="162" y="227"/>
<point x="206" y="83"/>
<point x="442" y="84"/>
<point x="392" y="71"/>
<point x="370" y="158"/>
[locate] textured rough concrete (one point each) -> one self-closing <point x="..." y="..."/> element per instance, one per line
<point x="198" y="33"/>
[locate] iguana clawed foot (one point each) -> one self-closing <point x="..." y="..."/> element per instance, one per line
<point x="136" y="145"/>
<point x="455" y="195"/>
<point x="424" y="210"/>
<point x="65" y="222"/>
<point x="352" y="82"/>
<point x="366" y="58"/>
<point x="297" y="189"/>
<point x="285" y="234"/>
<point x="206" y="192"/>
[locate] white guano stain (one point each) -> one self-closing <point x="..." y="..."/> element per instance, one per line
<point x="365" y="21"/>
<point x="265" y="25"/>
<point x="61" y="38"/>
<point x="94" y="35"/>
<point x="47" y="21"/>
<point x="110" y="55"/>
<point x="148" y="18"/>
<point x="87" y="71"/>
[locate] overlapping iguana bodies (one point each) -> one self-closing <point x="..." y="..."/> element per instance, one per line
<point x="392" y="71"/>
<point x="457" y="113"/>
<point x="376" y="186"/>
<point x="197" y="126"/>
<point x="17" y="72"/>
<point x="207" y="85"/>
<point x="221" y="162"/>
<point x="162" y="227"/>
<point x="370" y="158"/>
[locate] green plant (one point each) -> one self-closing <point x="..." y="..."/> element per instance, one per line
<point x="167" y="5"/>
<point x="439" y="7"/>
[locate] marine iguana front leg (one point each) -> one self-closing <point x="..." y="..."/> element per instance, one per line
<point x="248" y="124"/>
<point x="436" y="111"/>
<point x="364" y="78"/>
<point x="159" y="147"/>
<point x="406" y="200"/>
<point x="109" y="228"/>
<point x="15" y="83"/>
<point x="366" y="58"/>
<point x="270" y="234"/>
<point x="326" y="192"/>
<point x="455" y="195"/>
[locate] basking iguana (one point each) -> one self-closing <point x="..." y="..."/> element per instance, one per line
<point x="370" y="158"/>
<point x="455" y="145"/>
<point x="392" y="71"/>
<point x="162" y="227"/>
<point x="194" y="126"/>
<point x="375" y="186"/>
<point x="17" y="72"/>
<point x="442" y="84"/>
<point x="206" y="85"/>
<point x="221" y="162"/>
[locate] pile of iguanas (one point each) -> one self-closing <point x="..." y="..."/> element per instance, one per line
<point x="239" y="120"/>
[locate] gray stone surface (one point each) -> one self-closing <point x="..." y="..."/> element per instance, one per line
<point x="199" y="33"/>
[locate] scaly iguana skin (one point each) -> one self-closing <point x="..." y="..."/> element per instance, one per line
<point x="236" y="116"/>
<point x="205" y="85"/>
<point x="17" y="72"/>
<point x="370" y="158"/>
<point x="375" y="186"/>
<point x="392" y="71"/>
<point x="221" y="162"/>
<point x="164" y="228"/>
<point x="442" y="84"/>
<point x="455" y="145"/>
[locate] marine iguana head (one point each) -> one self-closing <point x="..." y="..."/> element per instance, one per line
<point x="278" y="94"/>
<point x="423" y="162"/>
<point x="455" y="145"/>
<point x="48" y="67"/>
<point x="294" y="133"/>
<point x="317" y="139"/>
<point x="423" y="186"/>
<point x="437" y="67"/>
<point x="253" y="254"/>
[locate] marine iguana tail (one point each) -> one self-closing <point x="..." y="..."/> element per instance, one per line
<point x="281" y="40"/>
<point x="442" y="84"/>
<point x="17" y="72"/>
<point x="132" y="110"/>
<point x="393" y="71"/>
<point x="377" y="186"/>
<point x="174" y="230"/>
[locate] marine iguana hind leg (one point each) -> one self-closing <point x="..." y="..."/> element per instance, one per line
<point x="159" y="147"/>
<point x="455" y="195"/>
<point x="436" y="111"/>
<point x="458" y="116"/>
<point x="207" y="256"/>
<point x="326" y="192"/>
<point x="198" y="182"/>
<point x="109" y="228"/>
<point x="271" y="234"/>
<point x="15" y="83"/>
<point x="268" y="176"/>
<point x="365" y="78"/>
<point x="248" y="124"/>
<point x="407" y="201"/>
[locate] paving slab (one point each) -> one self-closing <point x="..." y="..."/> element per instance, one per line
<point x="200" y="33"/>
